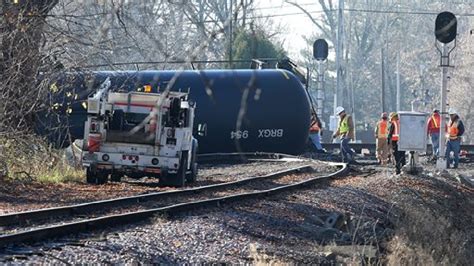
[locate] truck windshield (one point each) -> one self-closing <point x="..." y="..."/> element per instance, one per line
<point x="121" y="125"/>
<point x="134" y="118"/>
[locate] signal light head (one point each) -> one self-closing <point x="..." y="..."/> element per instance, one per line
<point x="445" y="27"/>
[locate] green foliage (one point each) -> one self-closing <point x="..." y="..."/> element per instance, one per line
<point x="30" y="159"/>
<point x="254" y="44"/>
<point x="60" y="173"/>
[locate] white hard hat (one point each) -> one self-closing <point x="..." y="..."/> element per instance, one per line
<point x="339" y="110"/>
<point x="452" y="111"/>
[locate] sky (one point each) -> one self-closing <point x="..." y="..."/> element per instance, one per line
<point x="291" y="18"/>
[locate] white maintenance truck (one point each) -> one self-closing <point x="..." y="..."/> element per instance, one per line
<point x="139" y="134"/>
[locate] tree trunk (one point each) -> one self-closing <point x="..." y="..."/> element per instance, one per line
<point x="21" y="36"/>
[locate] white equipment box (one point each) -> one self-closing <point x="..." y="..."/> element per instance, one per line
<point x="333" y="123"/>
<point x="413" y="135"/>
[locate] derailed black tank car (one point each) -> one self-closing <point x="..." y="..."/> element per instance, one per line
<point x="236" y="110"/>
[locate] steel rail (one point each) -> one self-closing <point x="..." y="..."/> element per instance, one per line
<point x="245" y="157"/>
<point x="371" y="146"/>
<point x="47" y="213"/>
<point x="37" y="234"/>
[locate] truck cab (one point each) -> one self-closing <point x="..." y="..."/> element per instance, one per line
<point x="139" y="134"/>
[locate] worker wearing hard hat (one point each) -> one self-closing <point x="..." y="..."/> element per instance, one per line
<point x="345" y="131"/>
<point x="433" y="127"/>
<point x="393" y="137"/>
<point x="453" y="137"/>
<point x="381" y="133"/>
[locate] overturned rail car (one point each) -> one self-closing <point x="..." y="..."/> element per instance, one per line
<point x="236" y="110"/>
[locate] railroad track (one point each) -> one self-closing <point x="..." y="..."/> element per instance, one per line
<point x="37" y="225"/>
<point x="211" y="159"/>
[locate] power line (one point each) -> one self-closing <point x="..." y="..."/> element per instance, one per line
<point x="281" y="6"/>
<point x="348" y="10"/>
<point x="419" y="12"/>
<point x="404" y="12"/>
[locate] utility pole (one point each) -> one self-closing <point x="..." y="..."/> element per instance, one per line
<point x="351" y="82"/>
<point x="398" y="81"/>
<point x="382" y="65"/>
<point x="231" y="17"/>
<point x="339" y="50"/>
<point x="442" y="138"/>
<point x="382" y="74"/>
<point x="320" y="91"/>
<point x="422" y="84"/>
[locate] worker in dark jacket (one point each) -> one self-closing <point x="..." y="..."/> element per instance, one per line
<point x="315" y="134"/>
<point x="453" y="138"/>
<point x="393" y="137"/>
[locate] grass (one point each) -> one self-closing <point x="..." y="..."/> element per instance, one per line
<point x="434" y="226"/>
<point x="423" y="238"/>
<point x="33" y="159"/>
<point x="60" y="174"/>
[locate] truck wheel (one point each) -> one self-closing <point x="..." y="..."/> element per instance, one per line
<point x="180" y="176"/>
<point x="178" y="179"/>
<point x="163" y="179"/>
<point x="191" y="177"/>
<point x="96" y="177"/>
<point x="115" y="177"/>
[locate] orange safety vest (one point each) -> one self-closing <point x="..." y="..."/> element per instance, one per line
<point x="314" y="128"/>
<point x="453" y="130"/>
<point x="382" y="129"/>
<point x="436" y="121"/>
<point x="396" y="130"/>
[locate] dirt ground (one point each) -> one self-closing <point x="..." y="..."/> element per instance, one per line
<point x="431" y="214"/>
<point x="379" y="218"/>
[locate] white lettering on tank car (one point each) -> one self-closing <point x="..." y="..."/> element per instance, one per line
<point x="239" y="134"/>
<point x="270" y="133"/>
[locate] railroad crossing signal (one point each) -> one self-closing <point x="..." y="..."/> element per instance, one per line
<point x="320" y="53"/>
<point x="445" y="32"/>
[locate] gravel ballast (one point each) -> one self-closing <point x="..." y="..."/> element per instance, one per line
<point x="379" y="212"/>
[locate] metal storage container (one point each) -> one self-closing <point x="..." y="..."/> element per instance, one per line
<point x="413" y="133"/>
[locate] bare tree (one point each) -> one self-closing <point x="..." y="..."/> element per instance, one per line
<point x="401" y="28"/>
<point x="22" y="38"/>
